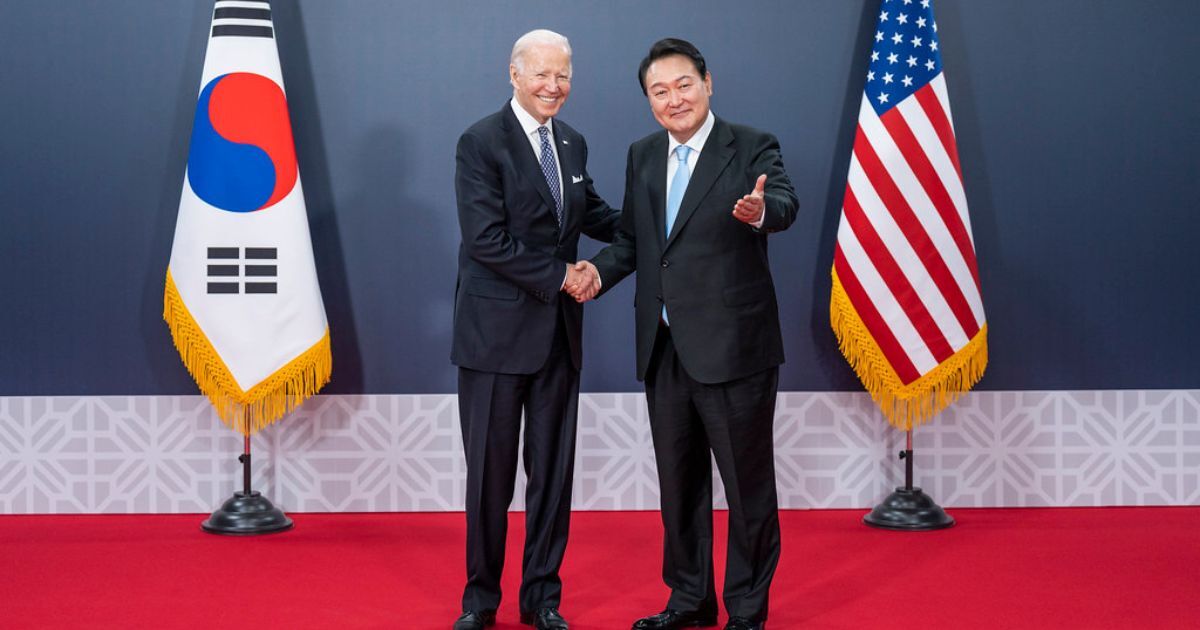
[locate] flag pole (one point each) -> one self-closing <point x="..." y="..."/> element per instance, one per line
<point x="245" y="459"/>
<point x="247" y="513"/>
<point x="907" y="456"/>
<point x="908" y="508"/>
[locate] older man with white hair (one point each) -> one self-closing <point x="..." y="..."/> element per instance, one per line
<point x="524" y="196"/>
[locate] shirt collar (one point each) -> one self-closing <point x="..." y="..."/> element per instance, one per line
<point x="696" y="142"/>
<point x="528" y="123"/>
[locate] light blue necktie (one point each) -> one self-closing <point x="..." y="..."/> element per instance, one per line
<point x="675" y="196"/>
<point x="550" y="171"/>
<point x="678" y="186"/>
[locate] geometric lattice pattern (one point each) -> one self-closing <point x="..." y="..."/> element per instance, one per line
<point x="165" y="454"/>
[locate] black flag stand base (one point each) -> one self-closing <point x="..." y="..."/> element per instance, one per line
<point x="247" y="513"/>
<point x="908" y="509"/>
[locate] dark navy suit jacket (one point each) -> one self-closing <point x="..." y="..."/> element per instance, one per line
<point x="514" y="254"/>
<point x="712" y="271"/>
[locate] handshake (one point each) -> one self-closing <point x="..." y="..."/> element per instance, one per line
<point x="583" y="281"/>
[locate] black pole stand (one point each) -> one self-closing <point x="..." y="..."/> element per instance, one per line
<point x="908" y="509"/>
<point x="248" y="513"/>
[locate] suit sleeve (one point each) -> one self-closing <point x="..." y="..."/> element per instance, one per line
<point x="619" y="259"/>
<point x="600" y="221"/>
<point x="779" y="196"/>
<point x="485" y="235"/>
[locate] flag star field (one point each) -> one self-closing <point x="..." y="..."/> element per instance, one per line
<point x="905" y="56"/>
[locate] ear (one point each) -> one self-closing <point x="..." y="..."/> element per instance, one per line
<point x="512" y="75"/>
<point x="708" y="82"/>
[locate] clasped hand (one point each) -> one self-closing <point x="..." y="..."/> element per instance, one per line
<point x="583" y="281"/>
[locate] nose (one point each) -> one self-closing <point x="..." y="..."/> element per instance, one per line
<point x="674" y="99"/>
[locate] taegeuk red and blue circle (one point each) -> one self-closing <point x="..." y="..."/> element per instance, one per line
<point x="242" y="156"/>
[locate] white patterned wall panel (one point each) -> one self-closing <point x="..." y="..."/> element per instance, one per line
<point x="120" y="454"/>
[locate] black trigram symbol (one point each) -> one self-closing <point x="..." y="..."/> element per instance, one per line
<point x="226" y="271"/>
<point x="246" y="18"/>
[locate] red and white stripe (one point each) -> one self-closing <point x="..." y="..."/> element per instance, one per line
<point x="905" y="255"/>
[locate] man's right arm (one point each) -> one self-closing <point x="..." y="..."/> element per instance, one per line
<point x="619" y="259"/>
<point x="485" y="235"/>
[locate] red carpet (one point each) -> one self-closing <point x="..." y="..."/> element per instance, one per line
<point x="1014" y="568"/>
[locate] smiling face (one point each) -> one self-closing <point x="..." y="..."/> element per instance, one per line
<point x="678" y="95"/>
<point x="541" y="80"/>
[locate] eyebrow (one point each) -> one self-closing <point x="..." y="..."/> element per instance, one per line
<point x="676" y="80"/>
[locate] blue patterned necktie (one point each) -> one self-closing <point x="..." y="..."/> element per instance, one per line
<point x="550" y="170"/>
<point x="675" y="196"/>
<point x="678" y="185"/>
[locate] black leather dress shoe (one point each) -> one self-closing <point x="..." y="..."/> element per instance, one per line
<point x="742" y="623"/>
<point x="544" y="619"/>
<point x="670" y="619"/>
<point x="475" y="620"/>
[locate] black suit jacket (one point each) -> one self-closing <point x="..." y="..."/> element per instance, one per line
<point x="711" y="271"/>
<point x="514" y="254"/>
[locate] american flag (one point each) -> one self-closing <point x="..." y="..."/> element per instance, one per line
<point x="906" y="303"/>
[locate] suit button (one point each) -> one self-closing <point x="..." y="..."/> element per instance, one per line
<point x="658" y="297"/>
<point x="666" y="263"/>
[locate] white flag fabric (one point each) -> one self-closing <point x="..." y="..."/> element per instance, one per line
<point x="242" y="299"/>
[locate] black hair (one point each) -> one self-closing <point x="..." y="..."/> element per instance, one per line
<point x="665" y="48"/>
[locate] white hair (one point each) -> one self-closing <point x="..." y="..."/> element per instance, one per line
<point x="539" y="37"/>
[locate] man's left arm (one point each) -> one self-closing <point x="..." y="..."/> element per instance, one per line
<point x="772" y="205"/>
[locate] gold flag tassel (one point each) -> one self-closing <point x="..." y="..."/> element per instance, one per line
<point x="904" y="406"/>
<point x="246" y="412"/>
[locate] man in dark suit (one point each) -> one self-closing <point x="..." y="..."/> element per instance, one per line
<point x="524" y="196"/>
<point x="700" y="199"/>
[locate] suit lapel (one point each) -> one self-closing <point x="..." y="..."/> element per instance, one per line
<point x="654" y="173"/>
<point x="525" y="159"/>
<point x="715" y="156"/>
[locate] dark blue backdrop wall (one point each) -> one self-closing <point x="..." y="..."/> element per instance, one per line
<point x="1077" y="125"/>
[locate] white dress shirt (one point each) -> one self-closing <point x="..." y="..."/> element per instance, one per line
<point x="695" y="143"/>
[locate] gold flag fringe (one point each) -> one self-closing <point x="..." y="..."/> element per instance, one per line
<point x="904" y="406"/>
<point x="246" y="412"/>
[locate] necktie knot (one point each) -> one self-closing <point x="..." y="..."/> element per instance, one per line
<point x="682" y="154"/>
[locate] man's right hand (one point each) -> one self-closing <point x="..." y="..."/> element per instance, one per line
<point x="583" y="281"/>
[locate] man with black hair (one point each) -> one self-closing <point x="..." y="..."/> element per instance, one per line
<point x="700" y="199"/>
